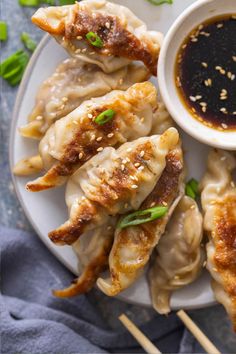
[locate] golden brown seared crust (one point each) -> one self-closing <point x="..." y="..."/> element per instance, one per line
<point x="88" y="278"/>
<point x="117" y="41"/>
<point x="164" y="193"/>
<point x="224" y="236"/>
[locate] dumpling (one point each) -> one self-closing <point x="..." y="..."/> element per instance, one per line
<point x="74" y="139"/>
<point x="178" y="258"/>
<point x="73" y="82"/>
<point x="92" y="250"/>
<point x="28" y="166"/>
<point x="113" y="182"/>
<point x="102" y="33"/>
<point x="161" y="119"/>
<point x="133" y="245"/>
<point x="219" y="205"/>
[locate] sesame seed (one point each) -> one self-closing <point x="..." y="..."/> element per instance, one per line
<point x="203" y="104"/>
<point x="205" y="65"/>
<point x="127" y="159"/>
<point x="234" y="113"/>
<point x="198" y="97"/>
<point x="91" y="53"/>
<point x="232" y="184"/>
<point x="192" y="98"/>
<point x="122" y="167"/>
<point x="129" y="149"/>
<point x="223" y="109"/>
<point x="141" y="168"/>
<point x="229" y="74"/>
<point x="224" y="126"/>
<point x="79" y="38"/>
<point x="99" y="149"/>
<point x="109" y="227"/>
<point x="153" y="204"/>
<point x="222" y="98"/>
<point x="232" y="77"/>
<point x="75" y="122"/>
<point x="142" y="119"/>
<point x="223" y="158"/>
<point x="77" y="51"/>
<point x="218" y="67"/>
<point x="62" y="107"/>
<point x="192" y="207"/>
<point x="121" y="81"/>
<point x="184" y="46"/>
<point x="137" y="164"/>
<point x="204" y="264"/>
<point x="99" y="138"/>
<point x="124" y="161"/>
<point x="90" y="116"/>
<point x="84" y="50"/>
<point x="107" y="24"/>
<point x="64" y="99"/>
<point x="204" y="109"/>
<point x="83" y="197"/>
<point x="39" y="118"/>
<point x="80" y="155"/>
<point x="132" y="177"/>
<point x="200" y="27"/>
<point x="142" y="153"/>
<point x="110" y="135"/>
<point x="220" y="25"/>
<point x="164" y="203"/>
<point x="222" y="71"/>
<point x="93" y="137"/>
<point x="234" y="58"/>
<point x="194" y="39"/>
<point x="134" y="186"/>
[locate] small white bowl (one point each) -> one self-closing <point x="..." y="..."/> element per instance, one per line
<point x="193" y="16"/>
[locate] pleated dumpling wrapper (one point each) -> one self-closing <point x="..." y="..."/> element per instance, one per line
<point x="133" y="245"/>
<point x="101" y="32"/>
<point x="110" y="120"/>
<point x="178" y="258"/>
<point x="113" y="182"/>
<point x="219" y="206"/>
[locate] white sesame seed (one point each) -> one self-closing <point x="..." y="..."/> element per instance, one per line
<point x="90" y="115"/>
<point x="223" y="109"/>
<point x="232" y="184"/>
<point x="229" y="74"/>
<point x="184" y="46"/>
<point x="225" y="126"/>
<point x="99" y="149"/>
<point x="62" y="107"/>
<point x="198" y="97"/>
<point x="142" y="153"/>
<point x="129" y="149"/>
<point x="64" y="99"/>
<point x="204" y="109"/>
<point x="192" y="207"/>
<point x="93" y="137"/>
<point x="203" y="104"/>
<point x="75" y="122"/>
<point x="137" y="164"/>
<point x="107" y="24"/>
<point x="220" y="25"/>
<point x="223" y="158"/>
<point x="142" y="119"/>
<point x="84" y="50"/>
<point x="141" y="168"/>
<point x="194" y="39"/>
<point x="192" y="98"/>
<point x="222" y="71"/>
<point x="99" y="138"/>
<point x="232" y="77"/>
<point x="205" y="65"/>
<point x="78" y="51"/>
<point x="122" y="167"/>
<point x="39" y="118"/>
<point x="234" y="57"/>
<point x="127" y="159"/>
<point x="109" y="227"/>
<point x="80" y="155"/>
<point x="222" y="98"/>
<point x="164" y="203"/>
<point x="110" y="135"/>
<point x="134" y="186"/>
<point x="132" y="177"/>
<point x="79" y="38"/>
<point x="124" y="161"/>
<point x="200" y="27"/>
<point x="234" y="113"/>
<point x="152" y="204"/>
<point x="204" y="264"/>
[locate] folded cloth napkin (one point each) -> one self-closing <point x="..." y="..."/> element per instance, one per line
<point x="33" y="321"/>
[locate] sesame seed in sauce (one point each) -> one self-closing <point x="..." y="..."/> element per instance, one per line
<point x="234" y="58"/>
<point x="99" y="138"/>
<point x="205" y="65"/>
<point x="110" y="135"/>
<point x="219" y="25"/>
<point x="84" y="50"/>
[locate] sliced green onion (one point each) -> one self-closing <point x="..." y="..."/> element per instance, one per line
<point x="66" y="2"/>
<point x="94" y="39"/>
<point x="28" y="42"/>
<point x="160" y="2"/>
<point x="104" y="117"/>
<point x="191" y="188"/>
<point x="12" y="68"/>
<point x="3" y="31"/>
<point x="137" y="219"/>
<point x="29" y="2"/>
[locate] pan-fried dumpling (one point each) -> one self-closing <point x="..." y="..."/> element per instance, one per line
<point x="92" y="250"/>
<point x="113" y="182"/>
<point x="28" y="166"/>
<point x="119" y="37"/>
<point x="74" y="139"/>
<point x="73" y="82"/>
<point x="133" y="245"/>
<point x="178" y="257"/>
<point x="219" y="206"/>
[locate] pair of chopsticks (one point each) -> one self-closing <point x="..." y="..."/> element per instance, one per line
<point x="150" y="348"/>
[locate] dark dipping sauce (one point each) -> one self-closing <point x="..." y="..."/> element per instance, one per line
<point x="205" y="72"/>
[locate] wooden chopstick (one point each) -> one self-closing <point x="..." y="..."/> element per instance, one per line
<point x="198" y="334"/>
<point x="147" y="345"/>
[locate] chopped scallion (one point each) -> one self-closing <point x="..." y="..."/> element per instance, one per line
<point x="191" y="188"/>
<point x="138" y="217"/>
<point x="12" y="68"/>
<point x="3" y="31"/>
<point x="94" y="39"/>
<point x="29" y="2"/>
<point x="160" y="2"/>
<point x="28" y="42"/>
<point x="104" y="117"/>
<point x="66" y="2"/>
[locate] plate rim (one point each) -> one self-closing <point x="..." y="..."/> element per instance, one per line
<point x="24" y="82"/>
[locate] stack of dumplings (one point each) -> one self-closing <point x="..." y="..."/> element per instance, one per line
<point x="103" y="131"/>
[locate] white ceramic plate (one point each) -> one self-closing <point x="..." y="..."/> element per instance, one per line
<point x="47" y="210"/>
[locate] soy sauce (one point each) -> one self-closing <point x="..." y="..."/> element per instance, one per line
<point x="205" y="72"/>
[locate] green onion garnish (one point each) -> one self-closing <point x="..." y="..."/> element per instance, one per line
<point x="29" y="2"/>
<point x="94" y="39"/>
<point x="104" y="117"/>
<point x="160" y="2"/>
<point x="136" y="218"/>
<point x="28" y="42"/>
<point x="3" y="31"/>
<point x="12" y="68"/>
<point x="191" y="188"/>
<point x="66" y="2"/>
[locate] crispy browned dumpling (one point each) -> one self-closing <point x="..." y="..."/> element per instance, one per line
<point x="133" y="246"/>
<point x="122" y="36"/>
<point x="219" y="205"/>
<point x="113" y="182"/>
<point x="74" y="139"/>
